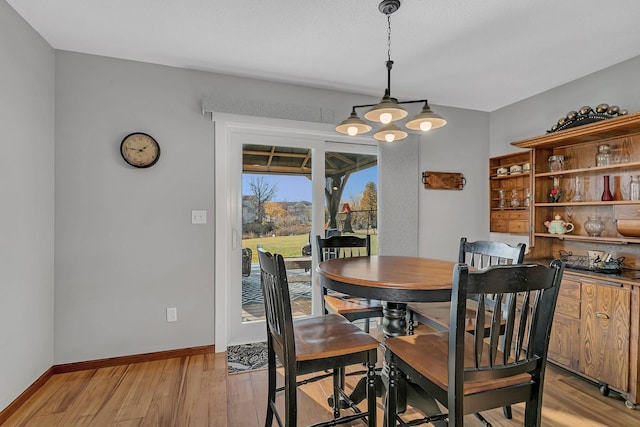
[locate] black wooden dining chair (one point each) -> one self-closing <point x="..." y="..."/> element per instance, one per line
<point x="480" y="254"/>
<point x="467" y="372"/>
<point x="352" y="308"/>
<point x="309" y="345"/>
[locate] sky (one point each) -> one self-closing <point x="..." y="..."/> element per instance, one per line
<point x="297" y="188"/>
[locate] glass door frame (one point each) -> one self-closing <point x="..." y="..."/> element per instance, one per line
<point x="231" y="133"/>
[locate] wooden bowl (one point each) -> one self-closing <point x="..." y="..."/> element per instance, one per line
<point x="628" y="227"/>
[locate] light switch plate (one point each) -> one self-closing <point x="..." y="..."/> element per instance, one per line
<point x="172" y="314"/>
<point x="198" y="217"/>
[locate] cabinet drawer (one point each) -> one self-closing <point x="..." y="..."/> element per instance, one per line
<point x="569" y="289"/>
<point x="519" y="215"/>
<point x="518" y="227"/>
<point x="499" y="215"/>
<point x="500" y="225"/>
<point x="568" y="307"/>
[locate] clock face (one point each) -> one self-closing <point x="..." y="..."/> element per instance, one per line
<point x="140" y="150"/>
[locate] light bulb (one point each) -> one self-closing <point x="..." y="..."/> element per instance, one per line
<point x="425" y="126"/>
<point x="385" y="118"/>
<point x="353" y="131"/>
<point x="389" y="137"/>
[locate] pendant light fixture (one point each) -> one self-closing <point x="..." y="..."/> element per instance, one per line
<point x="388" y="110"/>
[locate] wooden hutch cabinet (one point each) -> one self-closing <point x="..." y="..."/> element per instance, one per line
<point x="596" y="328"/>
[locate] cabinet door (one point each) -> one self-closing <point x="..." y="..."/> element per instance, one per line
<point x="564" y="342"/>
<point x="604" y="353"/>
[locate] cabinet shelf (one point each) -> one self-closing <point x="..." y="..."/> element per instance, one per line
<point x="513" y="175"/>
<point x="591" y="170"/>
<point x="507" y="163"/>
<point x="592" y="203"/>
<point x="601" y="240"/>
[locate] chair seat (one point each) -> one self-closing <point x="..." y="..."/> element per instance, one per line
<point x="347" y="305"/>
<point x="436" y="315"/>
<point x="329" y="336"/>
<point x="428" y="354"/>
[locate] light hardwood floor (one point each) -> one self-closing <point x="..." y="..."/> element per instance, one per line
<point x="196" y="391"/>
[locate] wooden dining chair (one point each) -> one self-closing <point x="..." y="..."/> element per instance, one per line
<point x="480" y="254"/>
<point x="352" y="308"/>
<point x="309" y="345"/>
<point x="467" y="372"/>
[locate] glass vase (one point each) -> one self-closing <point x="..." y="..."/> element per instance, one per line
<point x="606" y="194"/>
<point x="594" y="226"/>
<point x="502" y="202"/>
<point x="634" y="188"/>
<point x="515" y="202"/>
<point x="556" y="192"/>
<point x="578" y="195"/>
<point x="617" y="190"/>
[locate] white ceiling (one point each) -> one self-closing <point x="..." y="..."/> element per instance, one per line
<point x="464" y="53"/>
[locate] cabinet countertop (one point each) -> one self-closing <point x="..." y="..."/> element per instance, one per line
<point x="628" y="276"/>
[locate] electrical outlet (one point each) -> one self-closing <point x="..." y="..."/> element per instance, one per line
<point x="172" y="314"/>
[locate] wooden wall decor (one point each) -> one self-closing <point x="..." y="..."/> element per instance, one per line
<point x="443" y="180"/>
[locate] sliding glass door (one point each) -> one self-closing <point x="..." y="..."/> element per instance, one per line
<point x="351" y="191"/>
<point x="277" y="188"/>
<point x="277" y="213"/>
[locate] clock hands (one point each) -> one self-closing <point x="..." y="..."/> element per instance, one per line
<point x="140" y="150"/>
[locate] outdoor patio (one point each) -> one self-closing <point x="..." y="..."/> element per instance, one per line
<point x="253" y="303"/>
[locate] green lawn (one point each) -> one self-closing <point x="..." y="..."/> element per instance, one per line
<point x="290" y="246"/>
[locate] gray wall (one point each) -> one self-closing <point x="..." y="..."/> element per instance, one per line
<point x="398" y="199"/>
<point x="617" y="85"/>
<point x="446" y="215"/>
<point x="26" y="217"/>
<point x="125" y="247"/>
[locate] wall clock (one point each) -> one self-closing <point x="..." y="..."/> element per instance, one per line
<point x="140" y="150"/>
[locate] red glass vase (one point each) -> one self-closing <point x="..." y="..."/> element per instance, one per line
<point x="606" y="194"/>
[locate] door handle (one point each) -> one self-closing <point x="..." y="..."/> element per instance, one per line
<point x="601" y="315"/>
<point x="235" y="240"/>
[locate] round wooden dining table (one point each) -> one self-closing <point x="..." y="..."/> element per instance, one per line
<point x="395" y="280"/>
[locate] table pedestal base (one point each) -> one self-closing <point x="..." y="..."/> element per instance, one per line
<point x="394" y="322"/>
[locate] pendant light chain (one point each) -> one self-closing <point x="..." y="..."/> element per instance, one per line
<point x="389" y="37"/>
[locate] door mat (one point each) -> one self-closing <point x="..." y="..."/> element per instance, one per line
<point x="247" y="357"/>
